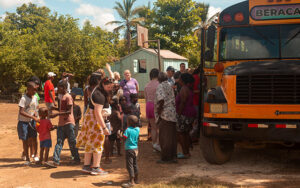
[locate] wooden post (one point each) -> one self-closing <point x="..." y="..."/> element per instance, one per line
<point x="158" y="53"/>
<point x="202" y="84"/>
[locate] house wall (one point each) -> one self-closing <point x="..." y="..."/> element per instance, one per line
<point x="142" y="78"/>
<point x="151" y="62"/>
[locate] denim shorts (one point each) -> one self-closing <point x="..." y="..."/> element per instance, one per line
<point x="23" y="130"/>
<point x="46" y="143"/>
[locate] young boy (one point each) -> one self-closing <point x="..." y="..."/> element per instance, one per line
<point x="44" y="128"/>
<point x="28" y="106"/>
<point x="116" y="123"/>
<point x="77" y="114"/>
<point x="131" y="135"/>
<point x="65" y="127"/>
<point x="135" y="107"/>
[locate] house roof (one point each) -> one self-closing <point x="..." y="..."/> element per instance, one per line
<point x="165" y="54"/>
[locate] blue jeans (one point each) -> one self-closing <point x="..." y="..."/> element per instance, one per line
<point x="63" y="132"/>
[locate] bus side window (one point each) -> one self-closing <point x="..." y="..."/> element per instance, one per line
<point x="211" y="64"/>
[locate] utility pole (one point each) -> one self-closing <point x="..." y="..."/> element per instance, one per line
<point x="157" y="51"/>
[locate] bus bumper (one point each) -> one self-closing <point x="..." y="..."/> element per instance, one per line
<point x="251" y="130"/>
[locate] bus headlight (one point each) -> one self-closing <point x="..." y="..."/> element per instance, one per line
<point x="218" y="108"/>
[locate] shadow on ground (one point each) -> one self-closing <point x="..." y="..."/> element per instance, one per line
<point x="68" y="174"/>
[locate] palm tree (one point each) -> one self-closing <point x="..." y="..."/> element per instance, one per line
<point x="129" y="16"/>
<point x="205" y="21"/>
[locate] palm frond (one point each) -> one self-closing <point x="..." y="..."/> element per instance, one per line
<point x="121" y="12"/>
<point x="140" y="19"/>
<point x="137" y="10"/>
<point x="113" y="22"/>
<point x="117" y="29"/>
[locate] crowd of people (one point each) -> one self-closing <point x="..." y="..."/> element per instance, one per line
<point x="111" y="114"/>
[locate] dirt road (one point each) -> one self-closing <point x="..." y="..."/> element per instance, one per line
<point x="248" y="167"/>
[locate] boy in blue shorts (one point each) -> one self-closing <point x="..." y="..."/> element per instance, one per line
<point x="28" y="106"/>
<point x="131" y="135"/>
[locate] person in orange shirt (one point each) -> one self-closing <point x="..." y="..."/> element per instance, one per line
<point x="50" y="93"/>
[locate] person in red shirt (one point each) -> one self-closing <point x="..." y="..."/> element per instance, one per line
<point x="44" y="128"/>
<point x="49" y="92"/>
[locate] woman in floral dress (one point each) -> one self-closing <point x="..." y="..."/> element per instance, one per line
<point x="94" y="129"/>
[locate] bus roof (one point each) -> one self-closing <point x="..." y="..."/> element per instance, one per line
<point x="261" y="12"/>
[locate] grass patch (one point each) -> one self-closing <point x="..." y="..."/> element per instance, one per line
<point x="190" y="182"/>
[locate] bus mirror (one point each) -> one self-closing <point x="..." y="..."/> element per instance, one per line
<point x="209" y="55"/>
<point x="211" y="36"/>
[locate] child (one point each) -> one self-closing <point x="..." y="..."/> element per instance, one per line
<point x="116" y="123"/>
<point x="77" y="114"/>
<point x="135" y="107"/>
<point x="44" y="128"/>
<point x="28" y="106"/>
<point x="131" y="135"/>
<point x="126" y="112"/>
<point x="65" y="127"/>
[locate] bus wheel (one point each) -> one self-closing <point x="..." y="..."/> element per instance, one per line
<point x="215" y="151"/>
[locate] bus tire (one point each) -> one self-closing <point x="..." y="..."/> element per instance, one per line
<point x="215" y="151"/>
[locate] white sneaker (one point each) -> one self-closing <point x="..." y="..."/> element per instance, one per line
<point x="36" y="159"/>
<point x="27" y="163"/>
<point x="157" y="147"/>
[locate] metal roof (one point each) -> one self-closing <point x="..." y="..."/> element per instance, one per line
<point x="165" y="54"/>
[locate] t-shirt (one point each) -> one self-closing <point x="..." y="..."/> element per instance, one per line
<point x="150" y="90"/>
<point x="132" y="137"/>
<point x="30" y="106"/>
<point x="43" y="128"/>
<point x="129" y="87"/>
<point x="76" y="113"/>
<point x="171" y="81"/>
<point x="196" y="86"/>
<point x="165" y="92"/>
<point x="98" y="98"/>
<point x="135" y="110"/>
<point x="37" y="97"/>
<point x="49" y="87"/>
<point x="65" y="101"/>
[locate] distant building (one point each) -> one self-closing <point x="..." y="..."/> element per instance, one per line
<point x="143" y="60"/>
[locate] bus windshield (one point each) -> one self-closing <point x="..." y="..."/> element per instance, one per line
<point x="260" y="42"/>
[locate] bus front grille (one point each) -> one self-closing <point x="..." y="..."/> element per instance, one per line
<point x="268" y="89"/>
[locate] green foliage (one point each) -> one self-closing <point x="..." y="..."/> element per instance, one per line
<point x="33" y="42"/>
<point x="174" y="22"/>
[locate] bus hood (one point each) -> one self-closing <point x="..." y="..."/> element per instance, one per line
<point x="275" y="67"/>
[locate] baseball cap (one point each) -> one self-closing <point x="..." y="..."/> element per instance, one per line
<point x="170" y="68"/>
<point x="51" y="74"/>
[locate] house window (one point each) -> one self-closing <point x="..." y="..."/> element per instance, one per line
<point x="135" y="66"/>
<point x="142" y="66"/>
<point x="139" y="66"/>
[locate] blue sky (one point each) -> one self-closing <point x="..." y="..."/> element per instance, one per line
<point x="98" y="12"/>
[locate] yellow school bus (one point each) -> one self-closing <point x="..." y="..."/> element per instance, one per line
<point x="256" y="76"/>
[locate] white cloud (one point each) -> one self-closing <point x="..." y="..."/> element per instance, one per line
<point x="212" y="11"/>
<point x="76" y="1"/>
<point x="14" y="3"/>
<point x="97" y="15"/>
<point x="2" y="17"/>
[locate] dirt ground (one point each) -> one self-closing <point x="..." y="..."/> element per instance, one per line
<point x="259" y="167"/>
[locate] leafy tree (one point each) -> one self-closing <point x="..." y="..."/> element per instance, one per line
<point x="129" y="16"/>
<point x="33" y="42"/>
<point x="174" y="22"/>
